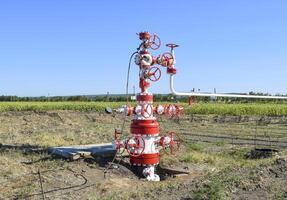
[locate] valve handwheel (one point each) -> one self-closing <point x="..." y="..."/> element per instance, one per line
<point x="154" y="42"/>
<point x="179" y="110"/>
<point x="173" y="145"/>
<point x="154" y="74"/>
<point x="119" y="147"/>
<point x="172" y="46"/>
<point x="168" y="58"/>
<point x="146" y="111"/>
<point x="170" y="110"/>
<point x="135" y="145"/>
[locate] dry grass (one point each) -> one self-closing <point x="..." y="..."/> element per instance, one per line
<point x="56" y="128"/>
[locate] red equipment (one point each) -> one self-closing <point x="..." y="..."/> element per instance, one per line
<point x="135" y="145"/>
<point x="154" y="74"/>
<point x="142" y="145"/>
<point x="154" y="42"/>
<point x="146" y="111"/>
<point x="172" y="46"/>
<point x="167" y="59"/>
<point x="173" y="145"/>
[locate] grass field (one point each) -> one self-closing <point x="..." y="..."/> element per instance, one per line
<point x="217" y="170"/>
<point x="256" y="109"/>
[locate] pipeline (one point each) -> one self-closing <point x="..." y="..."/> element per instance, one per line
<point x="173" y="91"/>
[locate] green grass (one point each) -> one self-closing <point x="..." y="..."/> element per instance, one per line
<point x="213" y="190"/>
<point x="259" y="109"/>
<point x="231" y="171"/>
<point x="46" y="106"/>
<point x="236" y="109"/>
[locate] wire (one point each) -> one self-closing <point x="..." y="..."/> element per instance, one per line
<point x="129" y="69"/>
<point x="127" y="100"/>
<point x="15" y="183"/>
<point x="128" y="74"/>
<point x="41" y="184"/>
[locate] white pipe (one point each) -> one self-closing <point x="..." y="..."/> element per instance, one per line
<point x="198" y="94"/>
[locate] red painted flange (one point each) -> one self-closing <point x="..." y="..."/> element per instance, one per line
<point x="144" y="97"/>
<point x="144" y="127"/>
<point x="144" y="35"/>
<point x="171" y="70"/>
<point x="145" y="159"/>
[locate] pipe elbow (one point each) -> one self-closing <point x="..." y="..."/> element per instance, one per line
<point x="172" y="90"/>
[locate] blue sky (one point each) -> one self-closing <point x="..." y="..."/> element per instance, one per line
<point x="69" y="47"/>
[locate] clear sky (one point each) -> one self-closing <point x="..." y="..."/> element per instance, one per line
<point x="70" y="47"/>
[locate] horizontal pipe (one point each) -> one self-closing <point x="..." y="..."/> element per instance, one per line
<point x="198" y="94"/>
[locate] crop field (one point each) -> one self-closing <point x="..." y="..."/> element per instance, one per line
<point x="236" y="109"/>
<point x="218" y="141"/>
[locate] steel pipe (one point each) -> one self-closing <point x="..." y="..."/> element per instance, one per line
<point x="198" y="94"/>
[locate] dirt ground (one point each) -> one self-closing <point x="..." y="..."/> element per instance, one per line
<point x="217" y="171"/>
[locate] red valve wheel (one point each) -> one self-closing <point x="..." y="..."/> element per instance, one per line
<point x="154" y="74"/>
<point x="179" y="110"/>
<point x="172" y="45"/>
<point x="175" y="142"/>
<point x="119" y="146"/>
<point x="154" y="42"/>
<point x="146" y="110"/>
<point x="135" y="145"/>
<point x="170" y="110"/>
<point x="173" y="145"/>
<point x="168" y="58"/>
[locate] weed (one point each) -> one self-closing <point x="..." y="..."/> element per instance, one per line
<point x="212" y="190"/>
